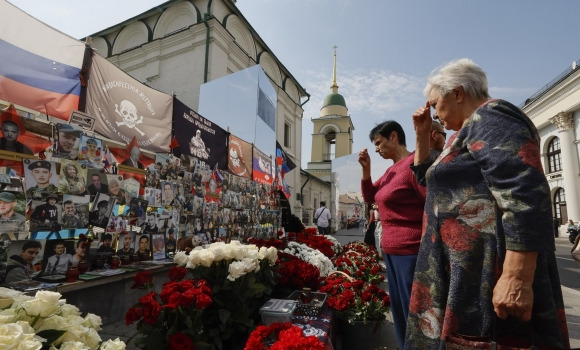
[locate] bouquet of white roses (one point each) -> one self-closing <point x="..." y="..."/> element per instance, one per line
<point x="47" y="322"/>
<point x="242" y="278"/>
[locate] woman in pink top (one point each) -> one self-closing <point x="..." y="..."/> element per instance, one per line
<point x="400" y="200"/>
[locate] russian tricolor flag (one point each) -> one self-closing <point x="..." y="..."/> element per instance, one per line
<point x="39" y="66"/>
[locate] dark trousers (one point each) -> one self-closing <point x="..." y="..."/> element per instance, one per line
<point x="400" y="271"/>
<point x="323" y="230"/>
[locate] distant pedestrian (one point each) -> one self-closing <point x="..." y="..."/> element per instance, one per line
<point x="322" y="217"/>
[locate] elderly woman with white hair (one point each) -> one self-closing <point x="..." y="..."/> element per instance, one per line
<point x="486" y="262"/>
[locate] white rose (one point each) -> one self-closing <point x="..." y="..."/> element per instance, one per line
<point x="238" y="252"/>
<point x="181" y="258"/>
<point x="218" y="252"/>
<point x="8" y="316"/>
<point x="72" y="345"/>
<point x="7" y="297"/>
<point x="262" y="253"/>
<point x="206" y="257"/>
<point x="236" y="270"/>
<point x="48" y="296"/>
<point x="272" y="255"/>
<point x="251" y="253"/>
<point x="93" y="321"/>
<point x="251" y="265"/>
<point x="91" y="338"/>
<point x="9" y="293"/>
<point x="29" y="344"/>
<point x="116" y="344"/>
<point x="43" y="305"/>
<point x="10" y="335"/>
<point x="68" y="309"/>
<point x="52" y="322"/>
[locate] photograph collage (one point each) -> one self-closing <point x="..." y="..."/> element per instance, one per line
<point x="85" y="202"/>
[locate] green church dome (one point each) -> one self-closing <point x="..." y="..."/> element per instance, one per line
<point x="334" y="100"/>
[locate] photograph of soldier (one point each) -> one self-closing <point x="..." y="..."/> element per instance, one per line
<point x="143" y="250"/>
<point x="98" y="182"/>
<point x="91" y="152"/>
<point x="170" y="242"/>
<point x="45" y="216"/>
<point x="150" y="222"/>
<point x="41" y="178"/>
<point x="57" y="263"/>
<point x="101" y="210"/>
<point x="9" y="140"/>
<point x="67" y="142"/>
<point x="106" y="249"/>
<point x="72" y="178"/>
<point x="150" y="196"/>
<point x="12" y="223"/>
<point x="126" y="244"/>
<point x="116" y="189"/>
<point x="72" y="215"/>
<point x="167" y="195"/>
<point x="131" y="186"/>
<point x="137" y="211"/>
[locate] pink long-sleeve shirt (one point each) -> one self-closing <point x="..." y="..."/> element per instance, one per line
<point x="400" y="200"/>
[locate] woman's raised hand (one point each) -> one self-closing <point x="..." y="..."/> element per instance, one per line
<point x="422" y="119"/>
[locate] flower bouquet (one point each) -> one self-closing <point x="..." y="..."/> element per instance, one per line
<point x="322" y="243"/>
<point x="354" y="299"/>
<point x="295" y="274"/>
<point x="172" y="319"/>
<point x="282" y="336"/>
<point x="242" y="278"/>
<point x="312" y="256"/>
<point x="360" y="266"/>
<point x="47" y="322"/>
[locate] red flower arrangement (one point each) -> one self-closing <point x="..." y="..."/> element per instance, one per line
<point x="294" y="273"/>
<point x="171" y="319"/>
<point x="282" y="336"/>
<point x="357" y="265"/>
<point x="355" y="300"/>
<point x="270" y="242"/>
<point x="311" y="239"/>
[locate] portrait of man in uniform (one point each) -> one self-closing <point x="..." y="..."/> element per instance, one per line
<point x="67" y="142"/>
<point x="11" y="222"/>
<point x="41" y="178"/>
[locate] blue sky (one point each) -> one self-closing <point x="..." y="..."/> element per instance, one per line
<point x="386" y="48"/>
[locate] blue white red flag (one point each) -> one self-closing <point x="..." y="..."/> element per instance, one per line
<point x="40" y="66"/>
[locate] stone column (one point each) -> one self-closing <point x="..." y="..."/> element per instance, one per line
<point x="565" y="123"/>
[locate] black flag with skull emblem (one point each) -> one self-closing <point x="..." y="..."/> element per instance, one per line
<point x="124" y="107"/>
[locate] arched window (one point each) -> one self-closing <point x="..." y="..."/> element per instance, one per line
<point x="329" y="148"/>
<point x="554" y="155"/>
<point x="559" y="200"/>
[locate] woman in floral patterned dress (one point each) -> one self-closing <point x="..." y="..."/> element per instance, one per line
<point x="487" y="254"/>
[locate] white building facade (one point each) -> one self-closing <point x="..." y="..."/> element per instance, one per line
<point x="555" y="110"/>
<point x="180" y="45"/>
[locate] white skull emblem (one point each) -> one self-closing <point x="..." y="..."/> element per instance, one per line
<point x="128" y="112"/>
